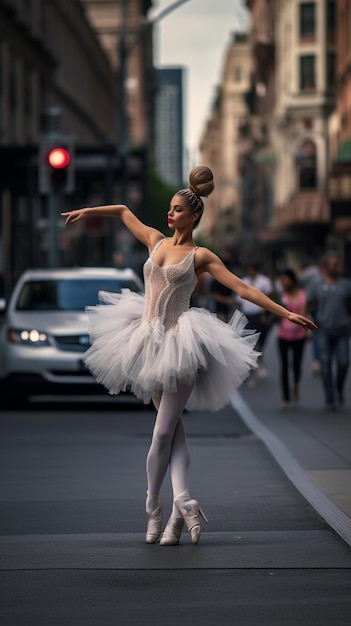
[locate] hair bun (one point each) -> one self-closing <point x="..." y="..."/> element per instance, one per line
<point x="201" y="181"/>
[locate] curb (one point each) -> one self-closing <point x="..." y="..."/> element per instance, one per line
<point x="332" y="514"/>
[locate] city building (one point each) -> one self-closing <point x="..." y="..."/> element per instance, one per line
<point x="305" y="99"/>
<point x="258" y="182"/>
<point x="51" y="59"/>
<point x="55" y="57"/>
<point x="294" y="52"/>
<point x="224" y="144"/>
<point x="210" y="154"/>
<point x="124" y="33"/>
<point x="340" y="138"/>
<point x="169" y="131"/>
<point x="38" y="42"/>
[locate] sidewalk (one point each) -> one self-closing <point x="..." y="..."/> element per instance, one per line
<point x="312" y="445"/>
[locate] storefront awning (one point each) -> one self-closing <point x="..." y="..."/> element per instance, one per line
<point x="340" y="181"/>
<point x="277" y="237"/>
<point x="309" y="207"/>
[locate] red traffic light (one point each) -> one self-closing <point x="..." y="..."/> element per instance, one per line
<point x="59" y="158"/>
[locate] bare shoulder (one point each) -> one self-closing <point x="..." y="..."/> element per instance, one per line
<point x="205" y="257"/>
<point x="154" y="237"/>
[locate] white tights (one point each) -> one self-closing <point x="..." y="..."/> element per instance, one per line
<point x="169" y="448"/>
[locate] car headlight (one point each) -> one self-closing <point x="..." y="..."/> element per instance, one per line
<point x="28" y="337"/>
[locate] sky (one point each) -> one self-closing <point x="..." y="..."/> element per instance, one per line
<point x="195" y="36"/>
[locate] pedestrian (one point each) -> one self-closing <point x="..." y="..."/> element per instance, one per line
<point x="222" y="296"/>
<point x="308" y="273"/>
<point x="201" y="295"/>
<point x="223" y="300"/>
<point x="159" y="348"/>
<point x="291" y="338"/>
<point x="329" y="301"/>
<point x="257" y="316"/>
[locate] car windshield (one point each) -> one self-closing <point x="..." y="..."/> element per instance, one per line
<point x="68" y="294"/>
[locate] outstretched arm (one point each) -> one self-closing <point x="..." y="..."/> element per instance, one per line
<point x="147" y="235"/>
<point x="210" y="262"/>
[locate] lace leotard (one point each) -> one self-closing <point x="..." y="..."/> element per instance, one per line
<point x="168" y="289"/>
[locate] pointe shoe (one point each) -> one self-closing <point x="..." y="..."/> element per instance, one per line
<point x="172" y="532"/>
<point x="190" y="510"/>
<point x="154" y="522"/>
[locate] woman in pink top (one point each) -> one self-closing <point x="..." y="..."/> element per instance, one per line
<point x="291" y="338"/>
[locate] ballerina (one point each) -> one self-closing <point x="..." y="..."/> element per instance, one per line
<point x="161" y="349"/>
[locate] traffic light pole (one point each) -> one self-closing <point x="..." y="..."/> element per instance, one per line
<point x="55" y="176"/>
<point x="51" y="127"/>
<point x="52" y="209"/>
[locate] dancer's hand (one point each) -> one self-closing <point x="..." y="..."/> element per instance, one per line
<point x="303" y="321"/>
<point x="75" y="215"/>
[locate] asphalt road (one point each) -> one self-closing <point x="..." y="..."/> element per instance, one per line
<point x="72" y="528"/>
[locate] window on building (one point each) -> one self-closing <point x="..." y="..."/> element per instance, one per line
<point x="307" y="165"/>
<point x="42" y="16"/>
<point x="28" y="90"/>
<point x="331" y="64"/>
<point x="1" y="94"/>
<point x="331" y="17"/>
<point x="237" y="74"/>
<point x="307" y="72"/>
<point x="346" y="37"/>
<point x="307" y="19"/>
<point x="12" y="83"/>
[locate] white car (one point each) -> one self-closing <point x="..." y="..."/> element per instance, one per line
<point x="45" y="331"/>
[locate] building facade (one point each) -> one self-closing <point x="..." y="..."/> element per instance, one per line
<point x="224" y="144"/>
<point x="340" y="138"/>
<point x="38" y="42"/>
<point x="305" y="99"/>
<point x="210" y="154"/>
<point x="258" y="184"/>
<point x="49" y="58"/>
<point x="123" y="31"/>
<point x="293" y="45"/>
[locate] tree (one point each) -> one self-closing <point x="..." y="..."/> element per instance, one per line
<point x="158" y="196"/>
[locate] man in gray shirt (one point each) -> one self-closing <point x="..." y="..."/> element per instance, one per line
<point x="329" y="300"/>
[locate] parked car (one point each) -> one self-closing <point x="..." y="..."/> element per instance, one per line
<point x="45" y="331"/>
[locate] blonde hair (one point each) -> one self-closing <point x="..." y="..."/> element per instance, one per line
<point x="201" y="184"/>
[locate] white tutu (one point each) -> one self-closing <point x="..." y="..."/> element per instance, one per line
<point x="129" y="354"/>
